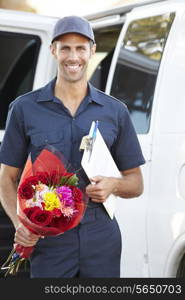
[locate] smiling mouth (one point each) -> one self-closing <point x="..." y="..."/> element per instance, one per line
<point x="73" y="68"/>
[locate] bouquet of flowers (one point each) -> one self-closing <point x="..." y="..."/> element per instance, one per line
<point x="49" y="202"/>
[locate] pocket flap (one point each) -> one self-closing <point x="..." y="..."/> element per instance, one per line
<point x="40" y="139"/>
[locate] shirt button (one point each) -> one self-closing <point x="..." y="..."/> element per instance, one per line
<point x="74" y="119"/>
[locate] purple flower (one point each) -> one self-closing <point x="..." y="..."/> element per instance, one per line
<point x="65" y="195"/>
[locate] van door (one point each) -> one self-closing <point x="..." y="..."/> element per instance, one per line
<point x="133" y="78"/>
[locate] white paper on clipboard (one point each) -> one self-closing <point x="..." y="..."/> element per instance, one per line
<point x="100" y="162"/>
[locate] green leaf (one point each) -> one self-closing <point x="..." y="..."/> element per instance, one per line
<point x="73" y="180"/>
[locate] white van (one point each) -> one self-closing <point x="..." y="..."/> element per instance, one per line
<point x="140" y="60"/>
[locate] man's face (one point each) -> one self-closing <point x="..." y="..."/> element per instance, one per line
<point x="72" y="52"/>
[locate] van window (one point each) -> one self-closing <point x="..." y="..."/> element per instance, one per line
<point x="18" y="57"/>
<point x="137" y="67"/>
<point x="106" y="39"/>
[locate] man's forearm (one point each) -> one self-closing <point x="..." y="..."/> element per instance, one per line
<point x="129" y="186"/>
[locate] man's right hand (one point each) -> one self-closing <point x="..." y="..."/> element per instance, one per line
<point x="25" y="237"/>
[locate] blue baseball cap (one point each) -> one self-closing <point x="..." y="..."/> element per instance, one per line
<point x="73" y="24"/>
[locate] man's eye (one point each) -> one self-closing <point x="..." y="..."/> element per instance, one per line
<point x="64" y="48"/>
<point x="81" y="48"/>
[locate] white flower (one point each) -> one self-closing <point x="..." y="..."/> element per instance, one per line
<point x="33" y="202"/>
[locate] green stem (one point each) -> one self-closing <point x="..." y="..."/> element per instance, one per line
<point x="8" y="259"/>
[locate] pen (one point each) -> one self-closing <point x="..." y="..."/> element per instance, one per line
<point x="95" y="130"/>
<point x="92" y="138"/>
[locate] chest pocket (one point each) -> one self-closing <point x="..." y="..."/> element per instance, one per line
<point x="48" y="138"/>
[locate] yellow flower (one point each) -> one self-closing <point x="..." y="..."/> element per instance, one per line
<point x="51" y="201"/>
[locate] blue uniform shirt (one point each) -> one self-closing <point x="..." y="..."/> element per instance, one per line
<point x="38" y="118"/>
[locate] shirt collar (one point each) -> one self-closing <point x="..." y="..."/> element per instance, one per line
<point x="46" y="93"/>
<point x="94" y="94"/>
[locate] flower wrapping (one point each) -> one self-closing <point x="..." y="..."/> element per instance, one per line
<point x="49" y="202"/>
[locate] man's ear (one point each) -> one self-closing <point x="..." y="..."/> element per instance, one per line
<point x="93" y="49"/>
<point x="53" y="49"/>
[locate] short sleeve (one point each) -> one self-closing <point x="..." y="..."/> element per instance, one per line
<point x="126" y="150"/>
<point x="13" y="150"/>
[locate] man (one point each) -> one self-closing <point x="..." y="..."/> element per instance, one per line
<point x="60" y="114"/>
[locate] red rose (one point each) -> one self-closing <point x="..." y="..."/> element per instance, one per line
<point x="32" y="180"/>
<point x="77" y="193"/>
<point x="30" y="210"/>
<point x="43" y="177"/>
<point x="26" y="191"/>
<point x="56" y="212"/>
<point x="41" y="217"/>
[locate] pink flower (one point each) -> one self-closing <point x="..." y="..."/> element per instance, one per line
<point x="65" y="195"/>
<point x="68" y="211"/>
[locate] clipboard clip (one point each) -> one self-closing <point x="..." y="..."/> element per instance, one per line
<point x="85" y="143"/>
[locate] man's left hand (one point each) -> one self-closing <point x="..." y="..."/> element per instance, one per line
<point x="100" y="188"/>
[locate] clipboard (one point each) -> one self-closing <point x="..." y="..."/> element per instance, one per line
<point x="97" y="160"/>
